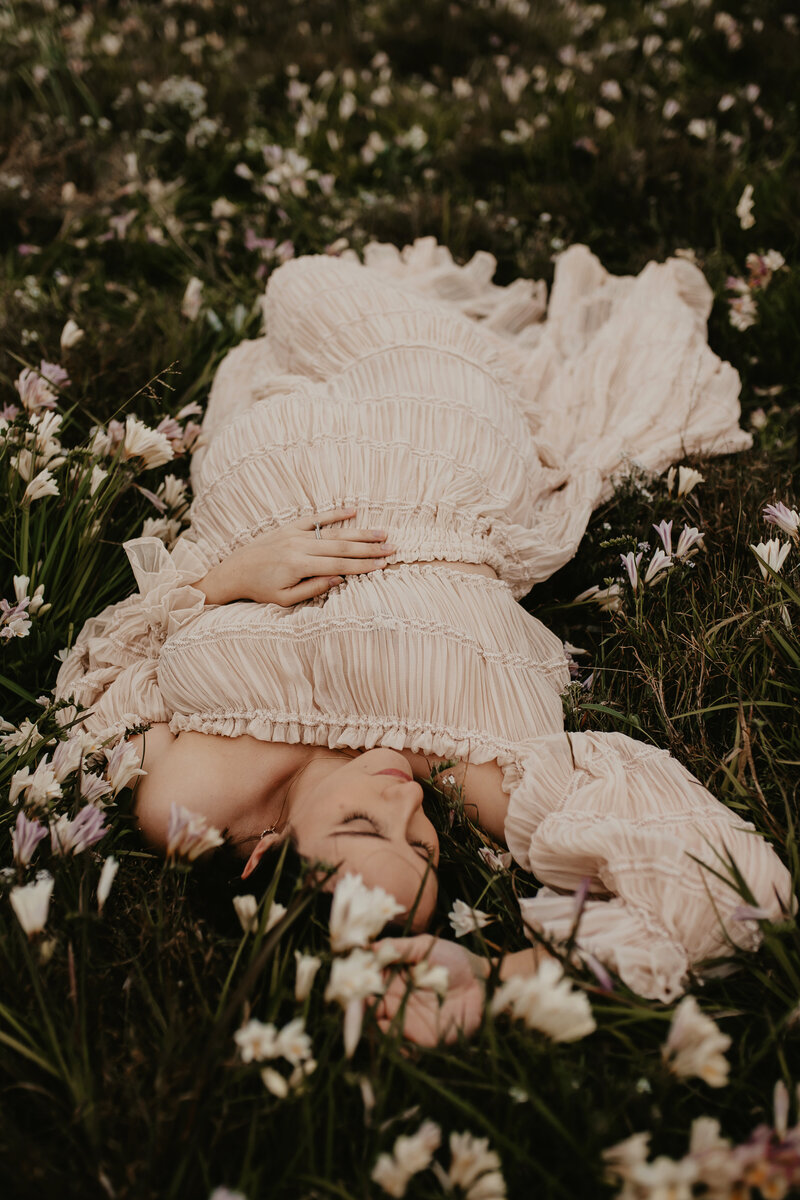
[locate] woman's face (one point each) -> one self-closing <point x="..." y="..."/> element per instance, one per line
<point x="372" y="824"/>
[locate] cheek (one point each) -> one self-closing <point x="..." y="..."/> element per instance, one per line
<point x="383" y="867"/>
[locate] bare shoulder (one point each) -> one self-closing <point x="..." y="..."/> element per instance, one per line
<point x="180" y="768"/>
<point x="219" y="778"/>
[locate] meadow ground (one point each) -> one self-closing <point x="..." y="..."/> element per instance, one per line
<point x="156" y="163"/>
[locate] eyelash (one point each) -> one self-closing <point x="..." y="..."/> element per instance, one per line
<point x="360" y="816"/>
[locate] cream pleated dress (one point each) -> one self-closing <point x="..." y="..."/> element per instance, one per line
<point x="476" y="424"/>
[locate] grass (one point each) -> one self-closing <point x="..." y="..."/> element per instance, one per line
<point x="118" y="1074"/>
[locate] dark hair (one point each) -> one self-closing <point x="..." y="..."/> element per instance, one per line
<point x="215" y="881"/>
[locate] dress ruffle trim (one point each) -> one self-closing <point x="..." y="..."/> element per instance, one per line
<point x="311" y="729"/>
<point x="112" y="667"/>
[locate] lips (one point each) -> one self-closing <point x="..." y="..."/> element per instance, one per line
<point x="399" y="774"/>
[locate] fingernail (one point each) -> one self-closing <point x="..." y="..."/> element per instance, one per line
<point x="378" y="533"/>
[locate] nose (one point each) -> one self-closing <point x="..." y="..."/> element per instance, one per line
<point x="410" y="802"/>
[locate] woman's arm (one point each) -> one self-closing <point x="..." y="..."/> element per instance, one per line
<point x="291" y="564"/>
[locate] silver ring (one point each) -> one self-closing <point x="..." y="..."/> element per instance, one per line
<point x="319" y="535"/>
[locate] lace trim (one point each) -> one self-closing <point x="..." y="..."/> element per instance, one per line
<point x="340" y="439"/>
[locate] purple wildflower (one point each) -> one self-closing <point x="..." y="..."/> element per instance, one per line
<point x="664" y="531"/>
<point x="25" y="837"/>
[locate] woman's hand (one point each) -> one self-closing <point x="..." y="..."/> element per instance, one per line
<point x="426" y="1018"/>
<point x="291" y="564"/>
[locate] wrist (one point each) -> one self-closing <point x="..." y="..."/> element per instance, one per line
<point x="216" y="585"/>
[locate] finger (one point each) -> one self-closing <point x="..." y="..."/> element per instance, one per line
<point x="340" y="540"/>
<point x="369" y="547"/>
<point x="325" y="518"/>
<point x="308" y="589"/>
<point x="346" y="566"/>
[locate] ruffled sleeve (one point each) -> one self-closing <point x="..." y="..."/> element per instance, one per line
<point x="629" y="816"/>
<point x="112" y="666"/>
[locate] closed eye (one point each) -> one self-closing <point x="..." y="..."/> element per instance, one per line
<point x="376" y="830"/>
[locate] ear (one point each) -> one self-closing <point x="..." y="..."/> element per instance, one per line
<point x="263" y="846"/>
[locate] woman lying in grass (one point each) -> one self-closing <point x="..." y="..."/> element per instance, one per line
<point x="286" y="670"/>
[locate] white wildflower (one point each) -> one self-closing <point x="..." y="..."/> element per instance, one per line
<point x="359" y="913"/>
<point x="475" y="1168"/>
<point x="690" y="538"/>
<point x="743" y="312"/>
<point x="352" y="980"/>
<point x="608" y="599"/>
<point x="787" y="519"/>
<point x="410" y="1155"/>
<point x="628" y="1154"/>
<point x="493" y="860"/>
<point x="71" y="334"/>
<point x="774" y="260"/>
<point x="98" y="475"/>
<point x="78" y="834"/>
<point x="688" y="479"/>
<point x="630" y="562"/>
<point x="464" y="919"/>
<point x="189" y="834"/>
<point x="123" y="766"/>
<point x="431" y="977"/>
<point x="39" y="788"/>
<point x="164" y="528"/>
<point x="192" y="298"/>
<point x="22" y="738"/>
<point x="744" y="209"/>
<point x="354" y="977"/>
<point x="696" y="1046"/>
<point x="34" y="390"/>
<point x="172" y="491"/>
<point x="771" y="554"/>
<point x="256" y="1041"/>
<point x="603" y="118"/>
<point x="275" y="1083"/>
<point x="141" y="441"/>
<point x="547" y="1002"/>
<point x="698" y="128"/>
<point x="107" y="876"/>
<point x="293" y="1043"/>
<point x="307" y="967"/>
<point x="610" y="90"/>
<point x="222" y="209"/>
<point x="347" y="106"/>
<point x="43" y="484"/>
<point x="247" y="912"/>
<point x="67" y="757"/>
<point x="276" y="913"/>
<point x="31" y="904"/>
<point x="659" y="563"/>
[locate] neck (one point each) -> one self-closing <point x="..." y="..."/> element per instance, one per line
<point x="283" y="792"/>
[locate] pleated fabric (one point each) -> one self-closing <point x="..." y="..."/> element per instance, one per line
<point x="634" y="821"/>
<point x="475" y="425"/>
